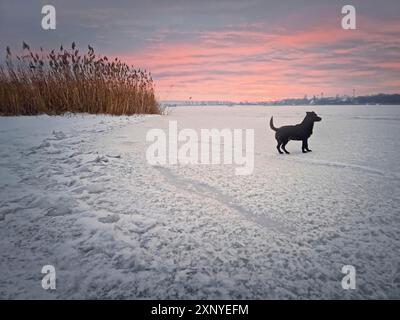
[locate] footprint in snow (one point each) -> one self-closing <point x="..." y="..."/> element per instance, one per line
<point x="109" y="219"/>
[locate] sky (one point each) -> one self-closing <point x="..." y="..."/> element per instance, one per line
<point x="236" y="50"/>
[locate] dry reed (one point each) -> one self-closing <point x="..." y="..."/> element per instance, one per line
<point x="66" y="81"/>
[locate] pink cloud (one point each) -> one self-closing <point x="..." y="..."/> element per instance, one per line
<point x="258" y="65"/>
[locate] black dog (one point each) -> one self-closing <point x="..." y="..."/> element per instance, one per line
<point x="301" y="131"/>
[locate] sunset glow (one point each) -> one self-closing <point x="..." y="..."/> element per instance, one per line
<point x="234" y="50"/>
<point x="257" y="65"/>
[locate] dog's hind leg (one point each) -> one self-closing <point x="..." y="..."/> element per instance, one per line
<point x="284" y="146"/>
<point x="279" y="147"/>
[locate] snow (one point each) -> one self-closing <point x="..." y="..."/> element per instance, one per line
<point x="77" y="193"/>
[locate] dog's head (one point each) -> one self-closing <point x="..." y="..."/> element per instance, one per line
<point x="312" y="116"/>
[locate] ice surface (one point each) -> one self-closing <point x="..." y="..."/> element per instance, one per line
<point x="77" y="193"/>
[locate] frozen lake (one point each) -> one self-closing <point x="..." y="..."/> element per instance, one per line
<point x="78" y="193"/>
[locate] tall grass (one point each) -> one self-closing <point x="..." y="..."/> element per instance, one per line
<point x="65" y="80"/>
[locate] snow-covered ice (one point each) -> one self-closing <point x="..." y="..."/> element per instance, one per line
<point x="77" y="193"/>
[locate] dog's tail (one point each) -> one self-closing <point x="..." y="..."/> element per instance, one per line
<point x="271" y="124"/>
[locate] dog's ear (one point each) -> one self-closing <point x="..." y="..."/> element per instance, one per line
<point x="308" y="112"/>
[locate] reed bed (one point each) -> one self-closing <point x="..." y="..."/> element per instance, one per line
<point x="65" y="80"/>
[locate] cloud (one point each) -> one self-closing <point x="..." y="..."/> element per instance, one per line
<point x="241" y="64"/>
<point x="228" y="49"/>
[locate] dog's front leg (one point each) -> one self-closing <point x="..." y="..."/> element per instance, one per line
<point x="304" y="146"/>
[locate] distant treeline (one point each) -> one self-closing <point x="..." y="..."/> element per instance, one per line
<point x="379" y="99"/>
<point x="385" y="99"/>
